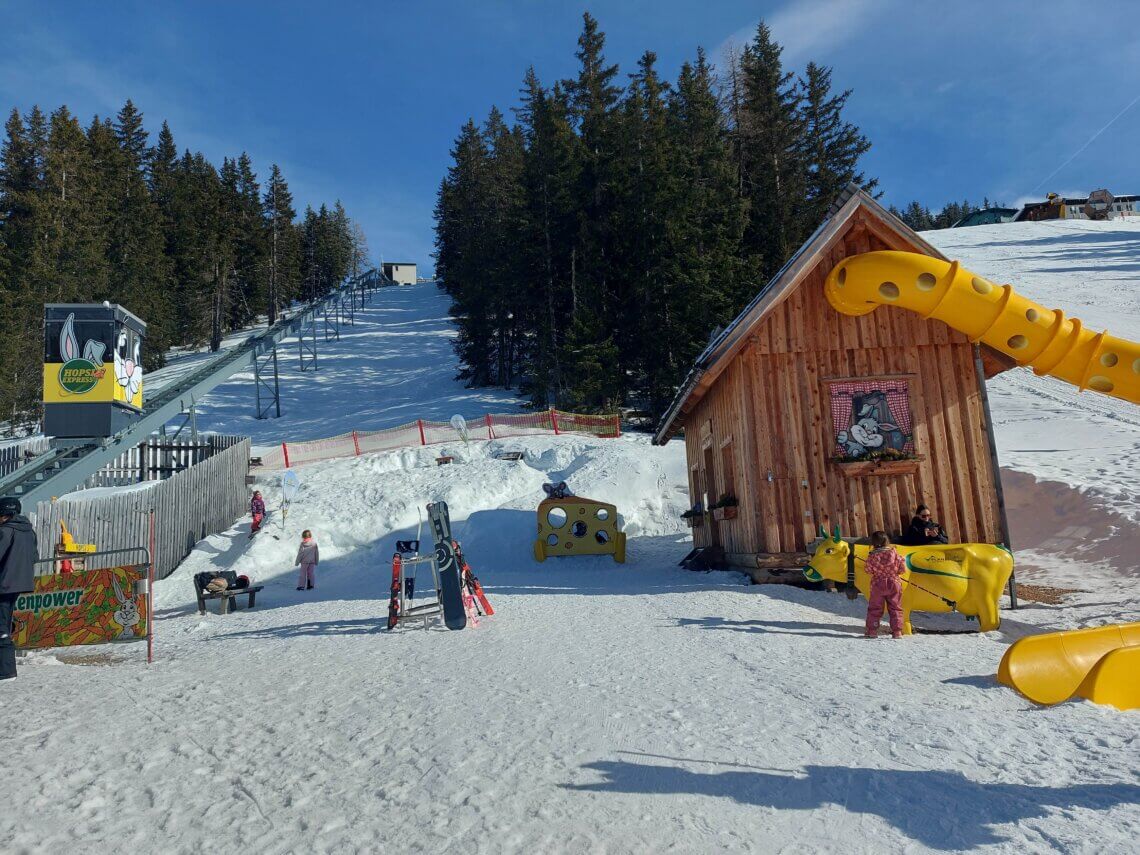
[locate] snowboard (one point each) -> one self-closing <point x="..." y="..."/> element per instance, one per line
<point x="471" y="581"/>
<point x="394" y="602"/>
<point x="451" y="586"/>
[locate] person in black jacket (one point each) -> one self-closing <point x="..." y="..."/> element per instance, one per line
<point x="923" y="529"/>
<point x="18" y="552"/>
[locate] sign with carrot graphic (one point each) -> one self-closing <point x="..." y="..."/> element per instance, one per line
<point x="93" y="607"/>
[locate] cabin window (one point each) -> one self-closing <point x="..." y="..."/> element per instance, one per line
<point x="871" y="419"/>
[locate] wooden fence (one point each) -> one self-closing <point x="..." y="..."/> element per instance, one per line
<point x="17" y="453"/>
<point x="190" y="505"/>
<point x="158" y="458"/>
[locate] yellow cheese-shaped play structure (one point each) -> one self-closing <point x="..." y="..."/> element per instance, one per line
<point x="1043" y="339"/>
<point x="1101" y="664"/>
<point x="578" y="526"/>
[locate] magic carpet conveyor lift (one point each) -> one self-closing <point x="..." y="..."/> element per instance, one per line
<point x="94" y="408"/>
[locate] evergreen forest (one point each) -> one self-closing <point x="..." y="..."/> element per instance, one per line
<point x="594" y="241"/>
<point x="99" y="213"/>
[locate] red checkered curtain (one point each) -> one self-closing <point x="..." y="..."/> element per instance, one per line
<point x="870" y="418"/>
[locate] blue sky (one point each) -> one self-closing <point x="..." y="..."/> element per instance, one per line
<point x="361" y="101"/>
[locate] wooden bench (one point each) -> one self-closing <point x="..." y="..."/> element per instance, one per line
<point x="227" y="596"/>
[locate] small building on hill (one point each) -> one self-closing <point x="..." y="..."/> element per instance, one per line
<point x="1058" y="208"/>
<point x="987" y="217"/>
<point x="772" y="405"/>
<point x="400" y="272"/>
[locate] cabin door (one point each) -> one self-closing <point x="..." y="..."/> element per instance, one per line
<point x="710" y="495"/>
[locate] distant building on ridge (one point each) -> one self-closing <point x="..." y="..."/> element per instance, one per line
<point x="401" y="272"/>
<point x="1058" y="208"/>
<point x="986" y="217"/>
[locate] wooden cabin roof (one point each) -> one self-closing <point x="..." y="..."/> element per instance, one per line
<point x="852" y="203"/>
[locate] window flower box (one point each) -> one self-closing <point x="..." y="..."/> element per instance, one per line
<point x="879" y="466"/>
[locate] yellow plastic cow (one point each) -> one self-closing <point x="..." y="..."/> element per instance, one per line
<point x="577" y="526"/>
<point x="963" y="577"/>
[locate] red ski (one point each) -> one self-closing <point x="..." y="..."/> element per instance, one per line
<point x="394" y="603"/>
<point x="471" y="581"/>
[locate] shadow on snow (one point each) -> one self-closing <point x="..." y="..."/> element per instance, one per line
<point x="940" y="809"/>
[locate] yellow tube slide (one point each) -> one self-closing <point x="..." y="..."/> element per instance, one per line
<point x="1041" y="338"/>
<point x="1100" y="664"/>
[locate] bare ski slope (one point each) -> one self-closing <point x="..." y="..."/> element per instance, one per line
<point x="605" y="708"/>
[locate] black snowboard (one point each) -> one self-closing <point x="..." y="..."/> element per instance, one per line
<point x="451" y="589"/>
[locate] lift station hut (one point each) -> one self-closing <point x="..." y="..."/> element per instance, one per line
<point x="92" y="369"/>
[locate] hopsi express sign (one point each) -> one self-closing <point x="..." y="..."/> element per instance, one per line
<point x="79" y="376"/>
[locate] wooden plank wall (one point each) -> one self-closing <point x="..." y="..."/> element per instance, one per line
<point x="15" y="454"/>
<point x="189" y="506"/>
<point x="772" y="400"/>
<point x="159" y="457"/>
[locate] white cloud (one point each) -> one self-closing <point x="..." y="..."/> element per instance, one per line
<point x="809" y="29"/>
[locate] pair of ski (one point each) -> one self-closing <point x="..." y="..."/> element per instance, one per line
<point x="459" y="591"/>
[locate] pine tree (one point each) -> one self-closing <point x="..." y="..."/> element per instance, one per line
<point x="21" y="180"/>
<point x="461" y="252"/>
<point x="772" y="156"/>
<point x="141" y="276"/>
<point x="832" y="145"/>
<point x="504" y="271"/>
<point x="250" y="248"/>
<point x="282" y="269"/>
<point x="645" y="190"/>
<point x="593" y="99"/>
<point x="551" y="175"/>
<point x="703" y="275"/>
<point x="72" y="247"/>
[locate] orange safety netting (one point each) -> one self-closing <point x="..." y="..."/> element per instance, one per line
<point x="423" y="432"/>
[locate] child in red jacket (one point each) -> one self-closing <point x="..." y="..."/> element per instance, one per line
<point x="885" y="567"/>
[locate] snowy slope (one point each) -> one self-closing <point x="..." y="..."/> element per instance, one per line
<point x="605" y="708"/>
<point x="393" y="365"/>
<point x="1074" y="442"/>
<point x="1091" y="270"/>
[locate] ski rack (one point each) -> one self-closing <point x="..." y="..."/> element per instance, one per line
<point x="70" y="463"/>
<point x="427" y="610"/>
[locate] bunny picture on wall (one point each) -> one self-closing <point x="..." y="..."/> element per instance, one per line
<point x="867" y="423"/>
<point x="127" y="614"/>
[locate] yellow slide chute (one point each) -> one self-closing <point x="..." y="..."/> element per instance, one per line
<point x="1043" y="339"/>
<point x="1101" y="664"/>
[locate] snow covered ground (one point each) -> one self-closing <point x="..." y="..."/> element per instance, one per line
<point x="605" y="707"/>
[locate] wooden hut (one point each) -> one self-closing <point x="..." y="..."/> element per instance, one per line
<point x="769" y="408"/>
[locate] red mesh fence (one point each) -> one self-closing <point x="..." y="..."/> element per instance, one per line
<point x="403" y="436"/>
<point x="423" y="432"/>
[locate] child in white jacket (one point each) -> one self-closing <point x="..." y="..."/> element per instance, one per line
<point x="308" y="557"/>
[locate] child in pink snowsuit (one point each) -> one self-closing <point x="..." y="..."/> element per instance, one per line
<point x="885" y="567"/>
<point x="257" y="511"/>
<point x="308" y="557"/>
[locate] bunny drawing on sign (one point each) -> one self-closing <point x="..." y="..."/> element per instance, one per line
<point x="866" y="433"/>
<point x="68" y="343"/>
<point x="876" y="409"/>
<point x="127" y="615"/>
<point x="128" y="370"/>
